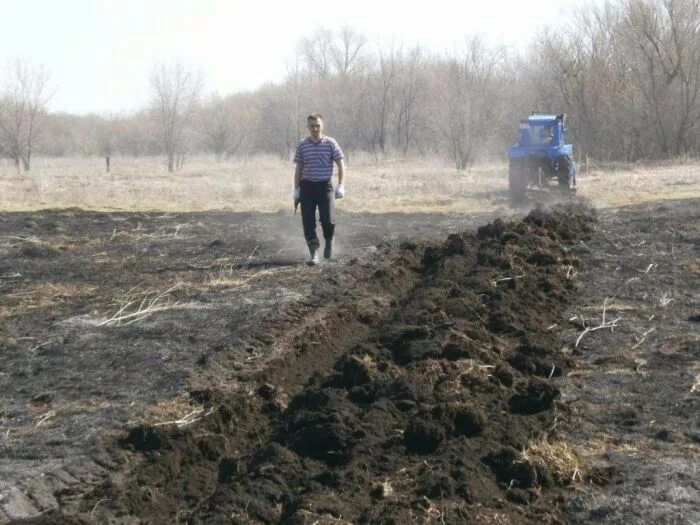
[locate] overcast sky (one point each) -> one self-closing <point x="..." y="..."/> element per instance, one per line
<point x="100" y="52"/>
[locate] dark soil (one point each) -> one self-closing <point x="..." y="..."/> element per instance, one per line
<point x="244" y="298"/>
<point x="401" y="383"/>
<point x="637" y="410"/>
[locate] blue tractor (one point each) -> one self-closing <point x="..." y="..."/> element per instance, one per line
<point x="540" y="156"/>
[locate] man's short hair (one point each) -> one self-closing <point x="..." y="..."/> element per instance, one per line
<point x="314" y="116"/>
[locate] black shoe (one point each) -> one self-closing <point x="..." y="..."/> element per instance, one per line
<point x="328" y="249"/>
<point x="313" y="257"/>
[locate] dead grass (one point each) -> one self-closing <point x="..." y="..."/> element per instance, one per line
<point x="638" y="183"/>
<point x="264" y="184"/>
<point x="430" y="371"/>
<point x="229" y="275"/>
<point x="465" y="373"/>
<point x="612" y="306"/>
<point x="136" y="305"/>
<point x="180" y="411"/>
<point x="554" y="457"/>
<point x="43" y="295"/>
<point x="602" y="445"/>
<point x="47" y="413"/>
<point x="385" y="371"/>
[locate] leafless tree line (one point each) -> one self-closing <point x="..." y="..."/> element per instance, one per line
<point x="627" y="73"/>
<point x="22" y="106"/>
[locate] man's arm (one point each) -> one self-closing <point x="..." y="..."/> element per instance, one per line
<point x="297" y="176"/>
<point x="341" y="170"/>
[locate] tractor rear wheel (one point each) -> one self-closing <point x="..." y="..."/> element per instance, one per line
<point x="517" y="180"/>
<point x="563" y="167"/>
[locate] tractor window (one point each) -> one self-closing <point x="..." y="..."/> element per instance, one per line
<point x="541" y="134"/>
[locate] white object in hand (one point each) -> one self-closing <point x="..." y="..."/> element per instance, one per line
<point x="295" y="197"/>
<point x="340" y="191"/>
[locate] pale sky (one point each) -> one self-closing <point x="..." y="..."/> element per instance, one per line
<point x="100" y="52"/>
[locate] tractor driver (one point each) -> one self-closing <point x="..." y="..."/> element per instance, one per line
<point x="547" y="135"/>
<point x="313" y="188"/>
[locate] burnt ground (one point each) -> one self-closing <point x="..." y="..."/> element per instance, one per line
<point x="188" y="368"/>
<point x="636" y="391"/>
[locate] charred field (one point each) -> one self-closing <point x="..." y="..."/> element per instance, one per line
<point x="188" y="368"/>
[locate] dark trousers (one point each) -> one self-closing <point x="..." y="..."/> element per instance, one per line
<point x="319" y="195"/>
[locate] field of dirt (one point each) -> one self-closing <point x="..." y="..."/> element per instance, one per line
<point x="538" y="367"/>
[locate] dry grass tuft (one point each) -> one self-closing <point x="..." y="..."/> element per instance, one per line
<point x="473" y="371"/>
<point x="226" y="276"/>
<point x="136" y="306"/>
<point x="430" y="371"/>
<point x="554" y="457"/>
<point x="464" y="373"/>
<point x="180" y="411"/>
<point x="229" y="275"/>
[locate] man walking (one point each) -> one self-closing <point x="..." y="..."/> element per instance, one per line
<point x="313" y="188"/>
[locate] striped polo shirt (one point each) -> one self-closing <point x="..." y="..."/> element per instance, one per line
<point x="316" y="158"/>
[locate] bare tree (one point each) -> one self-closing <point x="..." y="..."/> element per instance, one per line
<point x="23" y="103"/>
<point x="470" y="100"/>
<point x="580" y="73"/>
<point x="631" y="65"/>
<point x="220" y="127"/>
<point x="326" y="53"/>
<point x="662" y="44"/>
<point x="297" y="83"/>
<point x="317" y="52"/>
<point x="176" y="91"/>
<point x="410" y="89"/>
<point x="381" y="97"/>
<point x="346" y="51"/>
<point x="276" y="114"/>
<point x="226" y="124"/>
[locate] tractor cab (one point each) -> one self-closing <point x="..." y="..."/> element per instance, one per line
<point x="542" y="130"/>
